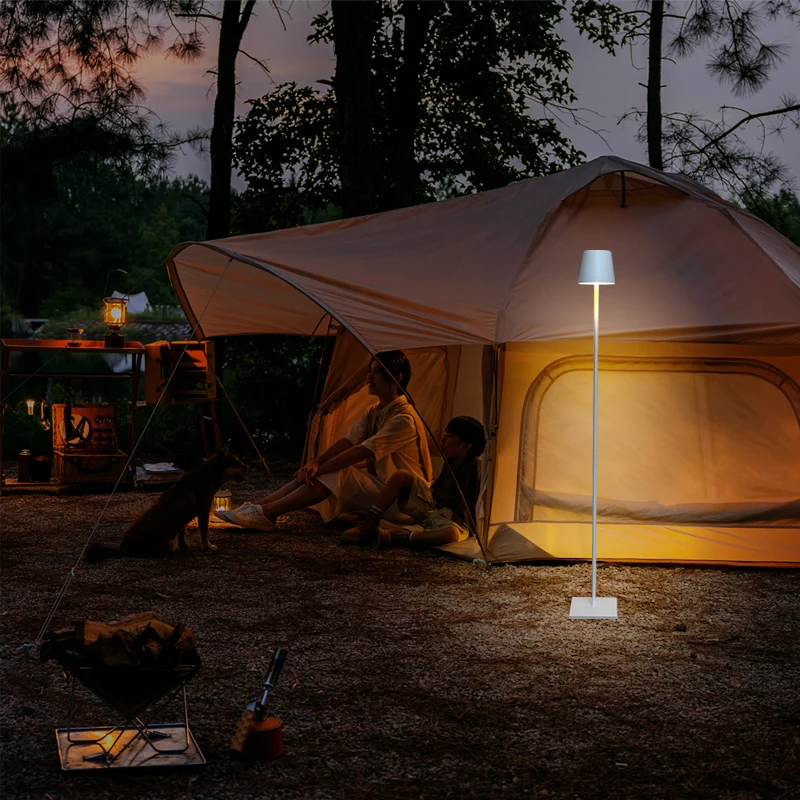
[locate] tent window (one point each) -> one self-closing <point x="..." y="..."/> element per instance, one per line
<point x="689" y="440"/>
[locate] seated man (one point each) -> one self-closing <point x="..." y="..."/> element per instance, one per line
<point x="351" y="473"/>
<point x="440" y="510"/>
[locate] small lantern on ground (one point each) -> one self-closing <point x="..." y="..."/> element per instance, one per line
<point x="114" y="313"/>
<point x="222" y="501"/>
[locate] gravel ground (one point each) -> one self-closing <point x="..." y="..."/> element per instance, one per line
<point x="413" y="675"/>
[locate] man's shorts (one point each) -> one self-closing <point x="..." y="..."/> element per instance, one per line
<point x="355" y="489"/>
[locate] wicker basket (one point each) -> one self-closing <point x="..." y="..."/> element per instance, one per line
<point x="88" y="466"/>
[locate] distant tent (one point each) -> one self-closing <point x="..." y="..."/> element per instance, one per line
<point x="699" y="433"/>
<point x="137" y="303"/>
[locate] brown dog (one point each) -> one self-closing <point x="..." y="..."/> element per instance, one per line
<point x="161" y="530"/>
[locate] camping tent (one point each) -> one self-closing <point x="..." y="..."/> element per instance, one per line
<point x="699" y="428"/>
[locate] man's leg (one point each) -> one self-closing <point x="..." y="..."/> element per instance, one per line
<point x="232" y="515"/>
<point x="303" y="496"/>
<point x="286" y="489"/>
<point x="258" y="517"/>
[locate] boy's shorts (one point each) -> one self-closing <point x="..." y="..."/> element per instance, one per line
<point x="421" y="507"/>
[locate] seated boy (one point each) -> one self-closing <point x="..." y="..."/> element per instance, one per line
<point x="438" y="509"/>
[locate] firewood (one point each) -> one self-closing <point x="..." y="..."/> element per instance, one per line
<point x="88" y="631"/>
<point x="121" y="649"/>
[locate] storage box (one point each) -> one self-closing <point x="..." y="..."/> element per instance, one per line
<point x="88" y="466"/>
<point x="93" y="427"/>
<point x="179" y="372"/>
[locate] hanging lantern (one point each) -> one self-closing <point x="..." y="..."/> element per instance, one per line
<point x="114" y="314"/>
<point x="222" y="501"/>
<point x="30" y="404"/>
<point x="44" y="423"/>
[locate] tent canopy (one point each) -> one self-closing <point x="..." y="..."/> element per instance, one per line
<point x="699" y="423"/>
<point x="502" y="266"/>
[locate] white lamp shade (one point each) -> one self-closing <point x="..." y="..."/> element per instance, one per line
<point x="597" y="268"/>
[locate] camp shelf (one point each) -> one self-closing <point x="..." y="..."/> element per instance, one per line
<point x="49" y="348"/>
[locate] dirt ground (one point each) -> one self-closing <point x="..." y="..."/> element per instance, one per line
<point x="413" y="675"/>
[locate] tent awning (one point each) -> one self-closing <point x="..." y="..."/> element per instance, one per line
<point x="502" y="266"/>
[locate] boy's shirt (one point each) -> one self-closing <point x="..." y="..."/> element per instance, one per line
<point x="446" y="494"/>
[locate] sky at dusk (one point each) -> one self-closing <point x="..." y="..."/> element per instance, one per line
<point x="183" y="94"/>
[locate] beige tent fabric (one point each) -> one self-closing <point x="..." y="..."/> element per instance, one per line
<point x="697" y="441"/>
<point x="502" y="266"/>
<point x="699" y="416"/>
<point x="433" y="376"/>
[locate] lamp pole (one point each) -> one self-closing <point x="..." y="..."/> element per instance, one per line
<point x="597" y="269"/>
<point x="594" y="443"/>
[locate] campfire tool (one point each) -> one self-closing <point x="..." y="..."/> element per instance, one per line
<point x="257" y="735"/>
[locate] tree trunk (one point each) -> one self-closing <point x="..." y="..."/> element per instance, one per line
<point x="654" y="150"/>
<point x="405" y="169"/>
<point x="230" y="36"/>
<point x="353" y="34"/>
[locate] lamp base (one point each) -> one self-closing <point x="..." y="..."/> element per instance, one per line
<point x="604" y="608"/>
<point x="114" y="340"/>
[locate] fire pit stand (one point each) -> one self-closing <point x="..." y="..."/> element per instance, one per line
<point x="133" y="743"/>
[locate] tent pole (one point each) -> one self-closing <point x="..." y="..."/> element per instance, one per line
<point x="491" y="414"/>
<point x="314" y="401"/>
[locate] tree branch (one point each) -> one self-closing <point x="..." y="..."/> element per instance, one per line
<point x="257" y="61"/>
<point x="745" y="120"/>
<point x="198" y="16"/>
<point x="245" y="18"/>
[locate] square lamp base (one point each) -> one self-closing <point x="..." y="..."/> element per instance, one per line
<point x="604" y="608"/>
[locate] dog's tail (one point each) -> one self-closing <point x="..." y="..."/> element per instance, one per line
<point x="99" y="552"/>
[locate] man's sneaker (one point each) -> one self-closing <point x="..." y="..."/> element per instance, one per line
<point x="249" y="516"/>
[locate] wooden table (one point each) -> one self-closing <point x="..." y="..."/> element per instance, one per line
<point x="54" y="347"/>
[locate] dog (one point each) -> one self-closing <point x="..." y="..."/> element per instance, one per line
<point x="161" y="530"/>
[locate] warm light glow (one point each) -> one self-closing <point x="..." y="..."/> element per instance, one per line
<point x="114" y="312"/>
<point x="30" y="404"/>
<point x="222" y="501"/>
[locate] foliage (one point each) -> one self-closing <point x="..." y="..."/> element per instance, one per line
<point x="284" y="149"/>
<point x="166" y="433"/>
<point x="64" y="64"/>
<point x="68" y="218"/>
<point x="781" y="210"/>
<point x="494" y="78"/>
<point x="271" y="380"/>
<point x="716" y="151"/>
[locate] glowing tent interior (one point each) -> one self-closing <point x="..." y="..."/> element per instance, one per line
<point x="699" y="426"/>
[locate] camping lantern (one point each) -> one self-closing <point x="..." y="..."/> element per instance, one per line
<point x="597" y="269"/>
<point x="44" y="423"/>
<point x="114" y="313"/>
<point x="222" y="501"/>
<point x="30" y="404"/>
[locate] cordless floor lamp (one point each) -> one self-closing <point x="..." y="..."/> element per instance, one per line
<point x="597" y="269"/>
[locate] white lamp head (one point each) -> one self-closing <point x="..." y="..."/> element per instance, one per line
<point x="597" y="268"/>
